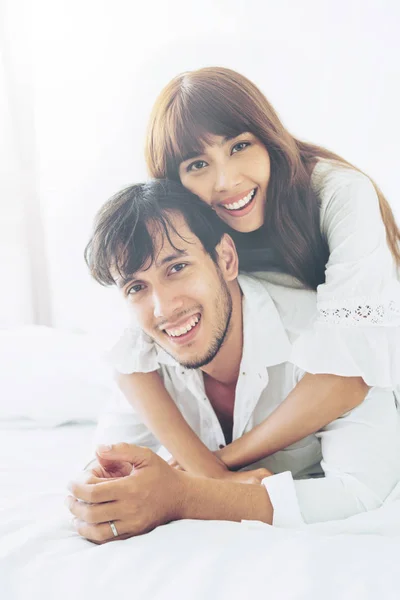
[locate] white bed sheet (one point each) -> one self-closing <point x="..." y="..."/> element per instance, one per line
<point x="41" y="557"/>
<point x="36" y="460"/>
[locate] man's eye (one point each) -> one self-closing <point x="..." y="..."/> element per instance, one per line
<point x="177" y="268"/>
<point x="134" y="289"/>
<point x="196" y="166"/>
<point x="240" y="146"/>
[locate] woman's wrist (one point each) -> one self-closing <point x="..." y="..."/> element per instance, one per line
<point x="230" y="457"/>
<point x="202" y="466"/>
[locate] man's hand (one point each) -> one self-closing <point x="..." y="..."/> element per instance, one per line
<point x="131" y="486"/>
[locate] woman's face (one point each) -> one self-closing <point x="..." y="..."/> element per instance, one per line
<point x="232" y="176"/>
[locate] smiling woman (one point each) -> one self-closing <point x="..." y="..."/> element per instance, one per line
<point x="232" y="176"/>
<point x="215" y="131"/>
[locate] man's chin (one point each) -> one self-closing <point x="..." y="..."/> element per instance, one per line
<point x="187" y="360"/>
<point x="194" y="362"/>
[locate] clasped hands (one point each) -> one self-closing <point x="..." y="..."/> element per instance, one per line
<point x="137" y="490"/>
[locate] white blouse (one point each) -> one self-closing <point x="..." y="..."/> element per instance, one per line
<point x="356" y="331"/>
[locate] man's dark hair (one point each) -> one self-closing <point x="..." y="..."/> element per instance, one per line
<point x="121" y="241"/>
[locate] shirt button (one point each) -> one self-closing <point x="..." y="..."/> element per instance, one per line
<point x="221" y="446"/>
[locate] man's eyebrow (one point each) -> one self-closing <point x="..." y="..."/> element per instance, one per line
<point x="122" y="281"/>
<point x="225" y="139"/>
<point x="167" y="259"/>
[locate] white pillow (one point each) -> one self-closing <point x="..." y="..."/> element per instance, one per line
<point x="52" y="376"/>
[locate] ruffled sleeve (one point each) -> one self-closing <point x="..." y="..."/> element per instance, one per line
<point x="357" y="328"/>
<point x="134" y="352"/>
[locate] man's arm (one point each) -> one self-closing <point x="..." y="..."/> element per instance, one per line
<point x="154" y="494"/>
<point x="215" y="499"/>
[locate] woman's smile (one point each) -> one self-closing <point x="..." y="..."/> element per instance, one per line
<point x="232" y="176"/>
<point x="240" y="204"/>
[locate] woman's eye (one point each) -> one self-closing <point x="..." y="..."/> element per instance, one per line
<point x="240" y="146"/>
<point x="177" y="268"/>
<point x="196" y="166"/>
<point x="134" y="289"/>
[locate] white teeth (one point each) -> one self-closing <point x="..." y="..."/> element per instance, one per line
<point x="242" y="202"/>
<point x="184" y="329"/>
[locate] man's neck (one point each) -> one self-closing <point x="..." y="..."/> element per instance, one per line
<point x="225" y="367"/>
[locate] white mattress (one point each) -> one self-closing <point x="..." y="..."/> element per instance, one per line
<point x="42" y="558"/>
<point x="36" y="460"/>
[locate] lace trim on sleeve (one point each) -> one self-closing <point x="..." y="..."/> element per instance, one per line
<point x="360" y="312"/>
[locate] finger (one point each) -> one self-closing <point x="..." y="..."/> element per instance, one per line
<point x="114" y="467"/>
<point x="102" y="533"/>
<point x="91" y="476"/>
<point x="103" y="490"/>
<point x="136" y="455"/>
<point x="99" y="533"/>
<point x="102" y="473"/>
<point x="264" y="473"/>
<point x="93" y="513"/>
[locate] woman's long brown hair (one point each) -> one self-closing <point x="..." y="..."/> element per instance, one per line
<point x="219" y="101"/>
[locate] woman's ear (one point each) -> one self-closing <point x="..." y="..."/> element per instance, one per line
<point x="228" y="259"/>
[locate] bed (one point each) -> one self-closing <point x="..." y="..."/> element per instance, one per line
<point x="48" y="414"/>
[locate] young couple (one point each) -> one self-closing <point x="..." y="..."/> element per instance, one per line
<point x="292" y="373"/>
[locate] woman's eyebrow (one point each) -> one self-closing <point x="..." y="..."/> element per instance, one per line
<point x="191" y="155"/>
<point x="199" y="152"/>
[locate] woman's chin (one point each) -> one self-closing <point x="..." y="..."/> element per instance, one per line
<point x="244" y="224"/>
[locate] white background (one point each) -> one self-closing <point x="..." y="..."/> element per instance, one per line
<point x="80" y="78"/>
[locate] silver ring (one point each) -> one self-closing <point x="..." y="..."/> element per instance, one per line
<point x="113" y="528"/>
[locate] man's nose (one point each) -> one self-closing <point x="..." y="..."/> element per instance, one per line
<point x="165" y="302"/>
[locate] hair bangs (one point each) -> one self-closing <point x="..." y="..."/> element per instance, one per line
<point x="192" y="119"/>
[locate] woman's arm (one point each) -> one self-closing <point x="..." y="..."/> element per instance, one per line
<point x="355" y="332"/>
<point x="315" y="401"/>
<point x="147" y="395"/>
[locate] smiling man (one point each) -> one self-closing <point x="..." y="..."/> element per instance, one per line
<point x="221" y="344"/>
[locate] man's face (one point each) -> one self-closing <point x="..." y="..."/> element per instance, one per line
<point x="182" y="300"/>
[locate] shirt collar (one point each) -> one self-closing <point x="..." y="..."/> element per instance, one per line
<point x="265" y="341"/>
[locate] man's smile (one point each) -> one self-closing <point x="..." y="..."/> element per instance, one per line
<point x="184" y="327"/>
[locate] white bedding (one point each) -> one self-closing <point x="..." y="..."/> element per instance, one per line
<point x="38" y="459"/>
<point x="42" y="558"/>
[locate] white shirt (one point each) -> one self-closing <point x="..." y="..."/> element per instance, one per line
<point x="272" y="321"/>
<point x="357" y="329"/>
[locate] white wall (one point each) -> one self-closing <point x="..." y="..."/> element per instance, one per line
<point x="330" y="68"/>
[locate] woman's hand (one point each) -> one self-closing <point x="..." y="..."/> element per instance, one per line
<point x="221" y="467"/>
<point x="174" y="464"/>
<point x="253" y="477"/>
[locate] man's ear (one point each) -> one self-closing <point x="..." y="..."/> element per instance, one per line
<point x="228" y="259"/>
